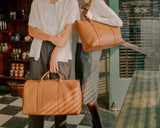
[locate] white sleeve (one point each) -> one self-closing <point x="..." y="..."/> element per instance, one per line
<point x="99" y="11"/>
<point x="33" y="14"/>
<point x="72" y="13"/>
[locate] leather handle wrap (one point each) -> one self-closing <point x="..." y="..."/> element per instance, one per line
<point x="47" y="73"/>
<point x="89" y="2"/>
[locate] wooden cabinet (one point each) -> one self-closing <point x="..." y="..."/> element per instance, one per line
<point x="13" y="30"/>
<point x="3" y="63"/>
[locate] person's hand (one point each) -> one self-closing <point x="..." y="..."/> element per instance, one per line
<point x="58" y="40"/>
<point x="53" y="64"/>
<point x="85" y="8"/>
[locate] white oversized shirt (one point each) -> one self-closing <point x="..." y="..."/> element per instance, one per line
<point x="51" y="19"/>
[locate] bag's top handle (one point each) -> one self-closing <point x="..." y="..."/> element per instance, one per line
<point x="47" y="73"/>
<point x="89" y="2"/>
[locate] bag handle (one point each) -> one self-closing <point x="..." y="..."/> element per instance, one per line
<point x="47" y="73"/>
<point x="89" y="2"/>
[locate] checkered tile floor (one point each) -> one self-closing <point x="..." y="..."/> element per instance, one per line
<point x="11" y="116"/>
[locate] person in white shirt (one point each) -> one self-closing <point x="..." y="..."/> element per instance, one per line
<point x="87" y="63"/>
<point x="51" y="23"/>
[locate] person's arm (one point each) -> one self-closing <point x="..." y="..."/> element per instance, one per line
<point x="65" y="34"/>
<point x="57" y="40"/>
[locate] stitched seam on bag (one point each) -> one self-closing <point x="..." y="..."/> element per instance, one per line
<point x="113" y="34"/>
<point x="37" y="99"/>
<point x="95" y="31"/>
<point x="58" y="97"/>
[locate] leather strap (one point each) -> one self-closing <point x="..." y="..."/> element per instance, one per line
<point x="89" y="2"/>
<point x="47" y="73"/>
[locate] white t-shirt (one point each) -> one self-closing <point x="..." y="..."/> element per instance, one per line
<point x="51" y="19"/>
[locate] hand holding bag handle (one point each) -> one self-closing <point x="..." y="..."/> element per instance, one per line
<point x="48" y="72"/>
<point x="97" y="36"/>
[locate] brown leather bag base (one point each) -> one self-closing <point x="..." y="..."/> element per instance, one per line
<point x="97" y="36"/>
<point x="52" y="97"/>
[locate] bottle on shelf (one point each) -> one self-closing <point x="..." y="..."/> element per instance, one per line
<point x="23" y="13"/>
<point x="3" y="47"/>
<point x="12" y="15"/>
<point x="3" y="23"/>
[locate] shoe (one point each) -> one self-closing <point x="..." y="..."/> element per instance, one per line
<point x="97" y="122"/>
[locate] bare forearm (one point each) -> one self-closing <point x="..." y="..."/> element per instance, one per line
<point x="55" y="52"/>
<point x="65" y="34"/>
<point x="55" y="39"/>
<point x="38" y="34"/>
<point x="59" y="40"/>
<point x="53" y="60"/>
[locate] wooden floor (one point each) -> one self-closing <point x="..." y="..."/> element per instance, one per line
<point x="141" y="107"/>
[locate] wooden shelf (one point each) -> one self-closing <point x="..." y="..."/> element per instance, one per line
<point x="12" y="78"/>
<point x="19" y="60"/>
<point x="21" y="41"/>
<point x="5" y="52"/>
<point x="4" y="31"/>
<point x="20" y="20"/>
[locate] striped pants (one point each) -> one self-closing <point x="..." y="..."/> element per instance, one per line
<point x="87" y="70"/>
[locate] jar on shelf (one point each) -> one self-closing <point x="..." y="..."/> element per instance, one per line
<point x="17" y="56"/>
<point x="17" y="66"/>
<point x="16" y="73"/>
<point x="21" y="73"/>
<point x="17" y="37"/>
<point x="27" y="55"/>
<point x="11" y="73"/>
<point x="21" y="66"/>
<point x="13" y="66"/>
<point x="23" y="55"/>
<point x="14" y="50"/>
<point x="6" y="46"/>
<point x="12" y="15"/>
<point x="27" y="75"/>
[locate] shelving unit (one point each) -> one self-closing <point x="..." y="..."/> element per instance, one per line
<point x="15" y="20"/>
<point x="19" y="60"/>
<point x="13" y="26"/>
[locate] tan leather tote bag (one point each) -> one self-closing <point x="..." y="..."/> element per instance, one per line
<point x="52" y="97"/>
<point x="97" y="36"/>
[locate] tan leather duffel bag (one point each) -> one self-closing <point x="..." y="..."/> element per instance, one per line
<point x="52" y="97"/>
<point x="98" y="36"/>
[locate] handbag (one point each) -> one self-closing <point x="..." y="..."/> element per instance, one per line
<point x="52" y="97"/>
<point x="97" y="36"/>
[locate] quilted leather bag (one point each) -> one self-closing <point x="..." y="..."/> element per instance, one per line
<point x="97" y="36"/>
<point x="52" y="97"/>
